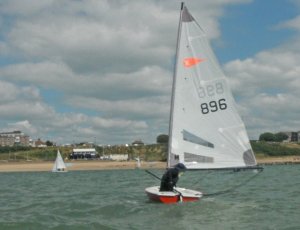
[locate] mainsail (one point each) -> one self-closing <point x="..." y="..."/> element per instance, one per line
<point x="206" y="131"/>
<point x="59" y="165"/>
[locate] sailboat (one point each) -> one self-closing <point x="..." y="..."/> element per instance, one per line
<point x="138" y="162"/>
<point x="59" y="165"/>
<point x="205" y="130"/>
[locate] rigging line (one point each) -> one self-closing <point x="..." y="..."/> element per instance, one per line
<point x="152" y="174"/>
<point x="233" y="188"/>
<point x="209" y="172"/>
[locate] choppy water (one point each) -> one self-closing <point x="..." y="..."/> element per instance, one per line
<point x="115" y="199"/>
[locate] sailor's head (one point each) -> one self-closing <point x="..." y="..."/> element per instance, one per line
<point x="180" y="167"/>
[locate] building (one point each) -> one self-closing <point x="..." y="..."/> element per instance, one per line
<point x="293" y="136"/>
<point x="39" y="143"/>
<point x="14" y="138"/>
<point x="83" y="154"/>
<point x="119" y="157"/>
<point x="115" y="157"/>
<point x="138" y="143"/>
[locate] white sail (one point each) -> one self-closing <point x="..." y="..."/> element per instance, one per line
<point x="59" y="165"/>
<point x="206" y="131"/>
<point x="138" y="162"/>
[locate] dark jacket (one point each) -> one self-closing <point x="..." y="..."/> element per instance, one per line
<point x="169" y="179"/>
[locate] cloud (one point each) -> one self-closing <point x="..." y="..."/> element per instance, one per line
<point x="8" y="92"/>
<point x="267" y="87"/>
<point x="124" y="35"/>
<point x="25" y="126"/>
<point x="108" y="66"/>
<point x="148" y="81"/>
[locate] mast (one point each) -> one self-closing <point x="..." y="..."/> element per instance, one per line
<point x="174" y="85"/>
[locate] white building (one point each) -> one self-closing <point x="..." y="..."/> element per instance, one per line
<point x="118" y="157"/>
<point x="83" y="153"/>
<point x="14" y="138"/>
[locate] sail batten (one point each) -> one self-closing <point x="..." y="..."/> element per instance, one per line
<point x="206" y="130"/>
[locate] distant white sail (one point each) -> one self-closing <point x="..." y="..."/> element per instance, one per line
<point x="59" y="165"/>
<point x="138" y="162"/>
<point x="206" y="131"/>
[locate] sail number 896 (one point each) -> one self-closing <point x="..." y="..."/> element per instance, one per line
<point x="213" y="106"/>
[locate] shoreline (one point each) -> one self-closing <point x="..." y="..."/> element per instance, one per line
<point x="76" y="165"/>
<point x="278" y="160"/>
<point x="82" y="165"/>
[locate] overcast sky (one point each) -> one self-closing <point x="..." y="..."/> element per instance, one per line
<point x="101" y="71"/>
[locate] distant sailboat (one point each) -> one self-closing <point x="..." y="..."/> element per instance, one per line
<point x="206" y="131"/>
<point x="59" y="165"/>
<point x="138" y="162"/>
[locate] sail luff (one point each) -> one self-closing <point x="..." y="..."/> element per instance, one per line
<point x="173" y="87"/>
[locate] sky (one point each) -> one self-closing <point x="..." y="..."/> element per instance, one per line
<point x="101" y="70"/>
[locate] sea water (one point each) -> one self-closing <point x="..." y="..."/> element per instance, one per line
<point x="115" y="199"/>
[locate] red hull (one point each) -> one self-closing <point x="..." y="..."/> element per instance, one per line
<point x="170" y="197"/>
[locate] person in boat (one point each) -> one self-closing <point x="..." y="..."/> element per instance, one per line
<point x="171" y="177"/>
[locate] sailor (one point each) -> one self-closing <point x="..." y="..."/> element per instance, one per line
<point x="171" y="176"/>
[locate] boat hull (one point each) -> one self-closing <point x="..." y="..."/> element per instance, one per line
<point x="183" y="195"/>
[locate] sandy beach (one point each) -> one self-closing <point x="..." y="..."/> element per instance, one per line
<point x="33" y="166"/>
<point x="27" y="166"/>
<point x="278" y="160"/>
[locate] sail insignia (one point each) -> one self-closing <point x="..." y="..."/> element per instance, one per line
<point x="189" y="62"/>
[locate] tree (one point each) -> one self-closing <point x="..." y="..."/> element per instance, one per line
<point x="267" y="137"/>
<point x="49" y="143"/>
<point x="281" y="137"/>
<point x="278" y="137"/>
<point x="162" y="139"/>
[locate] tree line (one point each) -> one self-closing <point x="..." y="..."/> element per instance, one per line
<point x="274" y="149"/>
<point x="270" y="137"/>
<point x="277" y="137"/>
<point x="269" y="145"/>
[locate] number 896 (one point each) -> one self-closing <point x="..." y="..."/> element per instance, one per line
<point x="213" y="106"/>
